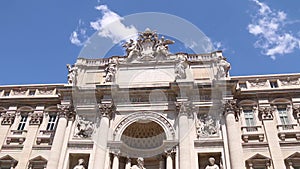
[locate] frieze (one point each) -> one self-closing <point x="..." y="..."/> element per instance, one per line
<point x="290" y="82"/>
<point x="258" y="83"/>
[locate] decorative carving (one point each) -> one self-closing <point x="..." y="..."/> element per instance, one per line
<point x="84" y="128"/>
<point x="230" y="106"/>
<point x="266" y="113"/>
<point x="111" y="70"/>
<point x="258" y="83"/>
<point x="45" y="92"/>
<point x="223" y="67"/>
<point x="206" y="126"/>
<point x="290" y="82"/>
<point x="106" y="109"/>
<point x="36" y="118"/>
<point x="80" y="164"/>
<point x="8" y="118"/>
<point x="140" y="164"/>
<point x="147" y="47"/>
<point x="72" y="73"/>
<point x="180" y="67"/>
<point x="296" y="110"/>
<point x="18" y="92"/>
<point x="212" y="164"/>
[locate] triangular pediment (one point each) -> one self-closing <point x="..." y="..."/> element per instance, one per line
<point x="38" y="159"/>
<point x="258" y="157"/>
<point x="8" y="160"/>
<point x="295" y="156"/>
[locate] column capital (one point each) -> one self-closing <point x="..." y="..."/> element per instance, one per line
<point x="8" y="118"/>
<point x="296" y="110"/>
<point x="266" y="113"/>
<point x="36" y="118"/>
<point x="106" y="108"/>
<point x="65" y="110"/>
<point x="230" y="107"/>
<point x="184" y="107"/>
<point x="169" y="152"/>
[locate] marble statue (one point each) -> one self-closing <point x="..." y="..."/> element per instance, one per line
<point x="72" y="72"/>
<point x="180" y="67"/>
<point x="147" y="47"/>
<point x="140" y="164"/>
<point x="84" y="128"/>
<point x="212" y="164"/>
<point x="223" y="68"/>
<point x="80" y="164"/>
<point x="110" y="72"/>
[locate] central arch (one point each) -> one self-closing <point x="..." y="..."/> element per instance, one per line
<point x="147" y="116"/>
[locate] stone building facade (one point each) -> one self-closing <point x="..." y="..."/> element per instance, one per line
<point x="152" y="109"/>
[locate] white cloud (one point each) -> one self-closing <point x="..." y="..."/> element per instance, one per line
<point x="219" y="46"/>
<point x="268" y="26"/>
<point x="78" y="37"/>
<point x="111" y="26"/>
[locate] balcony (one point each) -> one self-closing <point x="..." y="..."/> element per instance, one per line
<point x="288" y="131"/>
<point x="45" y="136"/>
<point x="16" y="136"/>
<point x="252" y="133"/>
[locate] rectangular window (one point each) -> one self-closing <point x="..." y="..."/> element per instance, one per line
<point x="249" y="117"/>
<point x="274" y="84"/>
<point x="22" y="122"/>
<point x="243" y="85"/>
<point x="283" y="115"/>
<point x="51" y="122"/>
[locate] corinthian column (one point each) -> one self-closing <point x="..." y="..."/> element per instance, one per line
<point x="231" y="112"/>
<point x="169" y="159"/>
<point x="267" y="117"/>
<point x="56" y="148"/>
<point x="106" y="109"/>
<point x="184" y="144"/>
<point x="115" y="161"/>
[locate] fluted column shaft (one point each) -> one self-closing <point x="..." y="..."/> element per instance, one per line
<point x="101" y="144"/>
<point x="169" y="161"/>
<point x="57" y="142"/>
<point x="106" y="109"/>
<point x="128" y="163"/>
<point x="115" y="162"/>
<point x="184" y="152"/>
<point x="234" y="141"/>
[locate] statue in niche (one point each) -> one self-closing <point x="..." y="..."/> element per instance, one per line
<point x="212" y="164"/>
<point x="180" y="67"/>
<point x="223" y="68"/>
<point x="206" y="126"/>
<point x="80" y="164"/>
<point x="84" y="128"/>
<point x="140" y="164"/>
<point x="111" y="70"/>
<point x="72" y="72"/>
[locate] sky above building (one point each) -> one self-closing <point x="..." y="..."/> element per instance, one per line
<point x="38" y="38"/>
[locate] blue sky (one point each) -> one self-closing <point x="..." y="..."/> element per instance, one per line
<point x="257" y="37"/>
